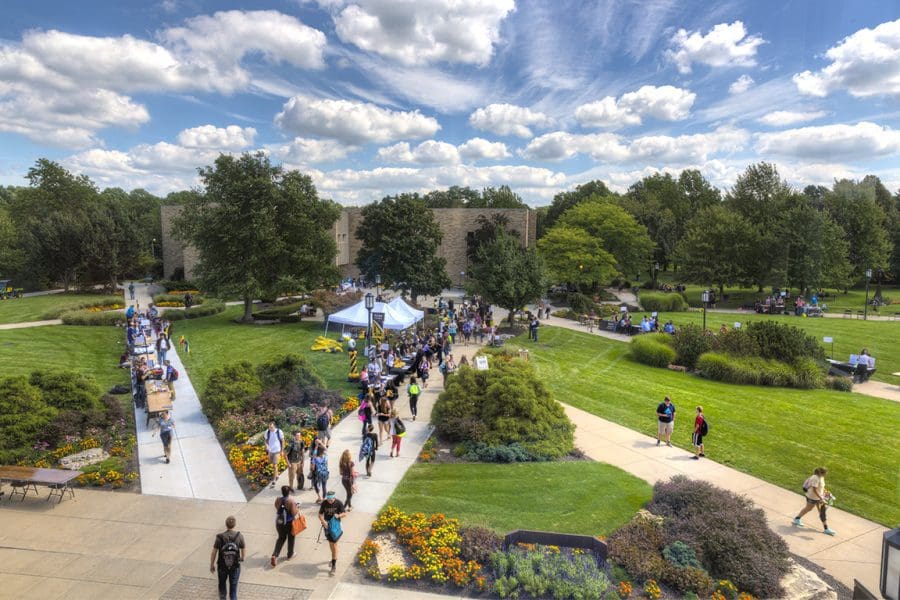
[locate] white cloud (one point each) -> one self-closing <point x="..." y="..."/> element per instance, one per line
<point x="416" y="33"/>
<point x="217" y="138"/>
<point x="861" y="141"/>
<point x="478" y="148"/>
<point x="866" y="63"/>
<point x="666" y="103"/>
<point x="427" y="86"/>
<point x="306" y="151"/>
<point x="508" y="119"/>
<point x="741" y="84"/>
<point x="726" y="45"/>
<point x="607" y="147"/>
<point x="352" y="122"/>
<point x="780" y="118"/>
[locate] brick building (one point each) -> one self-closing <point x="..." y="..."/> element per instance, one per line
<point x="457" y="224"/>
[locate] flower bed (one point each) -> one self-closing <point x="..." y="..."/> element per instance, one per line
<point x="116" y="471"/>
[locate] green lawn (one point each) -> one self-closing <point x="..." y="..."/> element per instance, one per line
<point x="32" y="308"/>
<point x="218" y="339"/>
<point x="882" y="338"/>
<point x="776" y="434"/>
<point x="91" y="350"/>
<point x="571" y="497"/>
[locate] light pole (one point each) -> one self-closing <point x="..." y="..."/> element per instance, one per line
<point x="462" y="274"/>
<point x="370" y="304"/>
<point x="153" y="248"/>
<point x="705" y="297"/>
<point x="655" y="276"/>
<point x="866" y="308"/>
<point x="377" y="284"/>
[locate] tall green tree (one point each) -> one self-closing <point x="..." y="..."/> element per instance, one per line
<point x="259" y="230"/>
<point x="816" y="250"/>
<point x="619" y="233"/>
<point x="400" y="240"/>
<point x="12" y="257"/>
<point x="453" y="197"/>
<point x="501" y="197"/>
<point x="506" y="274"/>
<point x="563" y="201"/>
<point x="854" y="206"/>
<point x="714" y="248"/>
<point x="572" y="255"/>
<point x="115" y="240"/>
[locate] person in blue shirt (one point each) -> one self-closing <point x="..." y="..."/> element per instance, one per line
<point x="665" y="413"/>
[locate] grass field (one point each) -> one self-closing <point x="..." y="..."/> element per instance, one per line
<point x="32" y="308"/>
<point x="218" y="339"/>
<point x="91" y="350"/>
<point x="882" y="338"/>
<point x="571" y="497"/>
<point x="776" y="434"/>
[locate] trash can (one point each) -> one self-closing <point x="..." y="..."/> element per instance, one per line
<point x="523" y="354"/>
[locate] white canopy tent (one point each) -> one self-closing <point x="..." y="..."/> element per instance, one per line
<point x="358" y="316"/>
<point x="400" y="305"/>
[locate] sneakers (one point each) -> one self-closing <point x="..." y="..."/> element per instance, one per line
<point x="657" y="442"/>
<point x="829" y="531"/>
<point x="703" y="455"/>
<point x="168" y="460"/>
<point x="272" y="561"/>
<point x="669" y="444"/>
<point x="333" y="569"/>
<point x="695" y="457"/>
<point x="797" y="522"/>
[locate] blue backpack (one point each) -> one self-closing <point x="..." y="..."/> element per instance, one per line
<point x="367" y="449"/>
<point x="334" y="529"/>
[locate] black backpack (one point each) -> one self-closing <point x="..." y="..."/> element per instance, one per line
<point x="322" y="422"/>
<point x="230" y="554"/>
<point x="704" y="426"/>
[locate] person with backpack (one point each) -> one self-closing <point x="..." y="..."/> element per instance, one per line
<point x="330" y="514"/>
<point x="275" y="449"/>
<point x="366" y="411"/>
<point x="319" y="466"/>
<point x="323" y="425"/>
<point x="413" y="390"/>
<point x="398" y="430"/>
<point x="384" y="416"/>
<point x="286" y="509"/>
<point x="368" y="448"/>
<point x="296" y="449"/>
<point x="816" y="497"/>
<point x="423" y="369"/>
<point x="701" y="427"/>
<point x="227" y="556"/>
<point x="348" y="478"/>
<point x="665" y="413"/>
<point x="170" y="377"/>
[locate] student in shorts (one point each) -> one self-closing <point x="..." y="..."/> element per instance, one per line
<point x="665" y="414"/>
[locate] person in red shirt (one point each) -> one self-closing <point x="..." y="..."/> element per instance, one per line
<point x="700" y="429"/>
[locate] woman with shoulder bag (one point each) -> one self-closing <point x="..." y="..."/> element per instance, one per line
<point x="348" y="478"/>
<point x="286" y="510"/>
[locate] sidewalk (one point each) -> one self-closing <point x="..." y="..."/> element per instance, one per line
<point x="29" y="324"/>
<point x="199" y="467"/>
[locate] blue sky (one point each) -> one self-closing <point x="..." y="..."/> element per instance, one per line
<point x="372" y="97"/>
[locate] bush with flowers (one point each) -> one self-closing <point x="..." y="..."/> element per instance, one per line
<point x="536" y="571"/>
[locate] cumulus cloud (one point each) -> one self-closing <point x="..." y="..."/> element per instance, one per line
<point x="780" y="118"/>
<point x="220" y="138"/>
<point x="725" y="45"/>
<point x="416" y="33"/>
<point x="861" y="141"/>
<point x="63" y="88"/>
<point x="436" y="152"/>
<point x="305" y="151"/>
<point x="866" y="63"/>
<point x="352" y="122"/>
<point x="508" y="119"/>
<point x="741" y="85"/>
<point x="607" y="147"/>
<point x="666" y="103"/>
<point x="480" y="148"/>
<point x="159" y="168"/>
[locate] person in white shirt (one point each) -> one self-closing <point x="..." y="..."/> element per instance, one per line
<point x="816" y="497"/>
<point x="275" y="448"/>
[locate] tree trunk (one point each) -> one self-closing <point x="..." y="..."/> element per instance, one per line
<point x="248" y="310"/>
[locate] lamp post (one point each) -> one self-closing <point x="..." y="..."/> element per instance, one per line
<point x="705" y="296"/>
<point x="377" y="284"/>
<point x="656" y="275"/>
<point x="370" y="304"/>
<point x="866" y="308"/>
<point x="890" y="565"/>
<point x="153" y="248"/>
<point x="462" y="274"/>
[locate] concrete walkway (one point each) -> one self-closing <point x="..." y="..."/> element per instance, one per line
<point x="29" y="324"/>
<point x="199" y="467"/>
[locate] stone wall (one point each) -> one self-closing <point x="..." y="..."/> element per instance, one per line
<point x="455" y="224"/>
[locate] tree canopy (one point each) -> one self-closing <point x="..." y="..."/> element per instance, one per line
<point x="506" y="274"/>
<point x="572" y="255"/>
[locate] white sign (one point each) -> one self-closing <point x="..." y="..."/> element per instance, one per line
<point x="828" y="340"/>
<point x="737" y="325"/>
<point x="481" y="363"/>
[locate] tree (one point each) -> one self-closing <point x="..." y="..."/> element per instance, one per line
<point x="502" y="197"/>
<point x="572" y="255"/>
<point x="114" y="239"/>
<point x="619" y="232"/>
<point x="400" y="240"/>
<point x="817" y="252"/>
<point x="488" y="226"/>
<point x="714" y="246"/>
<point x="454" y="197"/>
<point x="853" y="206"/>
<point x="11" y="255"/>
<point x="259" y="230"/>
<point x="506" y="274"/>
<point x="563" y="201"/>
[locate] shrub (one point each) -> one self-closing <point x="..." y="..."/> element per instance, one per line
<point x="663" y="302"/>
<point x="580" y="303"/>
<point x="728" y="533"/>
<point x="689" y="579"/>
<point x="679" y="554"/>
<point x="288" y="371"/>
<point x="545" y="572"/>
<point x="207" y="309"/>
<point x="650" y="351"/>
<point x="23" y="415"/>
<point x="736" y="342"/>
<point x="690" y="342"/>
<point x="566" y="313"/>
<point x="808" y="375"/>
<point x="508" y="453"/>
<point x="230" y="388"/>
<point x="841" y="384"/>
<point x="177" y="284"/>
<point x="88" y="318"/>
<point x="100" y="301"/>
<point x="636" y="548"/>
<point x="754" y="370"/>
<point x="478" y="543"/>
<point x="505" y="404"/>
<point x="784" y="342"/>
<point x="175" y="299"/>
<point x="67" y="390"/>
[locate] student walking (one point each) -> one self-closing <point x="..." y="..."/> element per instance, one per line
<point x="131" y="290"/>
<point x="816" y="497"/>
<point x="384" y="416"/>
<point x="414" y="390"/>
<point x="296" y="449"/>
<point x="348" y="478"/>
<point x="170" y="377"/>
<point x="330" y="514"/>
<point x="165" y="425"/>
<point x="398" y="430"/>
<point x="286" y="508"/>
<point x="701" y="427"/>
<point x="319" y="465"/>
<point x="275" y="449"/>
<point x="368" y="448"/>
<point x="227" y="555"/>
<point x="665" y="413"/>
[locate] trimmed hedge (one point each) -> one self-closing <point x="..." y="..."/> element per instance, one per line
<point x="804" y="373"/>
<point x="649" y="350"/>
<point x="230" y="388"/>
<point x="100" y="301"/>
<point x="690" y="342"/>
<point x="663" y="302"/>
<point x="840" y="384"/>
<point x="88" y="318"/>
<point x="207" y="309"/>
<point x="160" y="298"/>
<point x="67" y="390"/>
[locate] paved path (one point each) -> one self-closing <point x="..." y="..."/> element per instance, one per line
<point x="199" y="467"/>
<point x="28" y="324"/>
